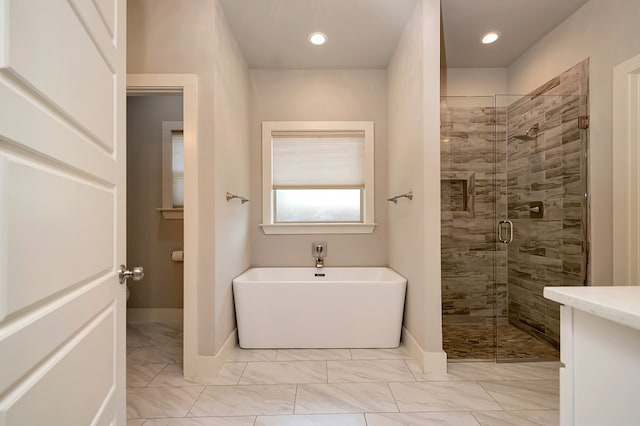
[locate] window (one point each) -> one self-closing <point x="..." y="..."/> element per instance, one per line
<point x="317" y="177"/>
<point x="172" y="170"/>
<point x="177" y="168"/>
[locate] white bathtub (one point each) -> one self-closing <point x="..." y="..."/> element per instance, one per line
<point x="294" y="308"/>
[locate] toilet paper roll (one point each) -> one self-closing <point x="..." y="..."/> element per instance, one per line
<point x="177" y="256"/>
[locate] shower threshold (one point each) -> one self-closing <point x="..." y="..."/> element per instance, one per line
<point x="476" y="342"/>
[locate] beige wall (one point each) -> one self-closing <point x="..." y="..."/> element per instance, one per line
<point x="150" y="238"/>
<point x="406" y="171"/>
<point x="606" y="32"/>
<point x="431" y="199"/>
<point x="474" y="81"/>
<point x="204" y="46"/>
<point x="231" y="172"/>
<point x="319" y="95"/>
<point x="414" y="164"/>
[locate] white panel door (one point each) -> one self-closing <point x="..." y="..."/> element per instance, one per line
<point x="62" y="219"/>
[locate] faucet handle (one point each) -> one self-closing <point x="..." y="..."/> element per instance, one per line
<point x="318" y="249"/>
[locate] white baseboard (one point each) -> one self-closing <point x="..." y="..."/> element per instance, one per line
<point x="208" y="367"/>
<point x="170" y="316"/>
<point x="430" y="362"/>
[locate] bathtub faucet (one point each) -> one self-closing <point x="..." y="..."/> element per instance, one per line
<point x="319" y="252"/>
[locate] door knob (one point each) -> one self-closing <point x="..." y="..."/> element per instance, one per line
<point x="136" y="273"/>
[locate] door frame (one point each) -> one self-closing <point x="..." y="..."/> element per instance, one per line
<point x="187" y="85"/>
<point x="626" y="172"/>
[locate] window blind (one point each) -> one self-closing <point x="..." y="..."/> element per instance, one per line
<point x="177" y="167"/>
<point x="320" y="162"/>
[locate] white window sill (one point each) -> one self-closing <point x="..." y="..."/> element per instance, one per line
<point x="318" y="228"/>
<point x="172" y="213"/>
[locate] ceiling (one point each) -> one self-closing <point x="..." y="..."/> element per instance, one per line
<point x="361" y="33"/>
<point x="364" y="33"/>
<point x="521" y="22"/>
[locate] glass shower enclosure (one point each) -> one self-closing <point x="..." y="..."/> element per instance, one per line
<point x="514" y="220"/>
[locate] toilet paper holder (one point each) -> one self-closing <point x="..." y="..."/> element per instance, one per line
<point x="177" y="256"/>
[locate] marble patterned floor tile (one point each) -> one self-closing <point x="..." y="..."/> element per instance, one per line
<point x="284" y="372"/>
<point x="239" y="354"/>
<point x="179" y="339"/>
<point x="134" y="341"/>
<point x="154" y="333"/>
<point x="161" y="402"/>
<point x="528" y="370"/>
<point x="313" y="354"/>
<point x="229" y="374"/>
<point x="172" y="375"/>
<point x="524" y="394"/>
<point x="249" y="400"/>
<point x="204" y="421"/>
<point x="457" y="371"/>
<point x="393" y="353"/>
<point x="140" y="375"/>
<point x="442" y="396"/>
<point x="421" y="376"/>
<point x="520" y="418"/>
<point x="474" y="370"/>
<point x="158" y="327"/>
<point x="369" y="371"/>
<point x="421" y="419"/>
<point x="313" y="420"/>
<point x="156" y="355"/>
<point x="344" y="398"/>
<point x="471" y="393"/>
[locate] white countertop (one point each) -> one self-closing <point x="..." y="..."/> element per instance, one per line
<point x="620" y="304"/>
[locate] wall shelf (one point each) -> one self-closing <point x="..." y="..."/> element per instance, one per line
<point x="172" y="213"/>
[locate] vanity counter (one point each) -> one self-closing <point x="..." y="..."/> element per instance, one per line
<point x="600" y="352"/>
<point x="619" y="304"/>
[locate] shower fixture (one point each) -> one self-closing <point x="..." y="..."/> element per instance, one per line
<point x="231" y="196"/>
<point x="408" y="195"/>
<point x="530" y="135"/>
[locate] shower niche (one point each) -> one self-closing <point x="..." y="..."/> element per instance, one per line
<point x="457" y="192"/>
<point x="520" y="160"/>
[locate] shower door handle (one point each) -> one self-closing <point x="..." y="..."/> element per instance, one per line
<point x="510" y="227"/>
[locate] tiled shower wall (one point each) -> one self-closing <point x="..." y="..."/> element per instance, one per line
<point x="469" y="290"/>
<point x="475" y="151"/>
<point x="551" y="169"/>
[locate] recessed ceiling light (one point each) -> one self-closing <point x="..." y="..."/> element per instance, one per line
<point x="491" y="37"/>
<point x="317" y="38"/>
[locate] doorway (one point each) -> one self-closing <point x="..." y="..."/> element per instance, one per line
<point x="154" y="239"/>
<point x="186" y="86"/>
<point x="626" y="173"/>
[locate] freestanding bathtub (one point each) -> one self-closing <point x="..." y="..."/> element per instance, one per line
<point x="319" y="308"/>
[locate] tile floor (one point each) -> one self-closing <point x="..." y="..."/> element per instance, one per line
<point x="333" y="387"/>
<point x="478" y="341"/>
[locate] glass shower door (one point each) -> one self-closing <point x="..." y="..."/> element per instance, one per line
<point x="541" y="218"/>
<point x="468" y="226"/>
